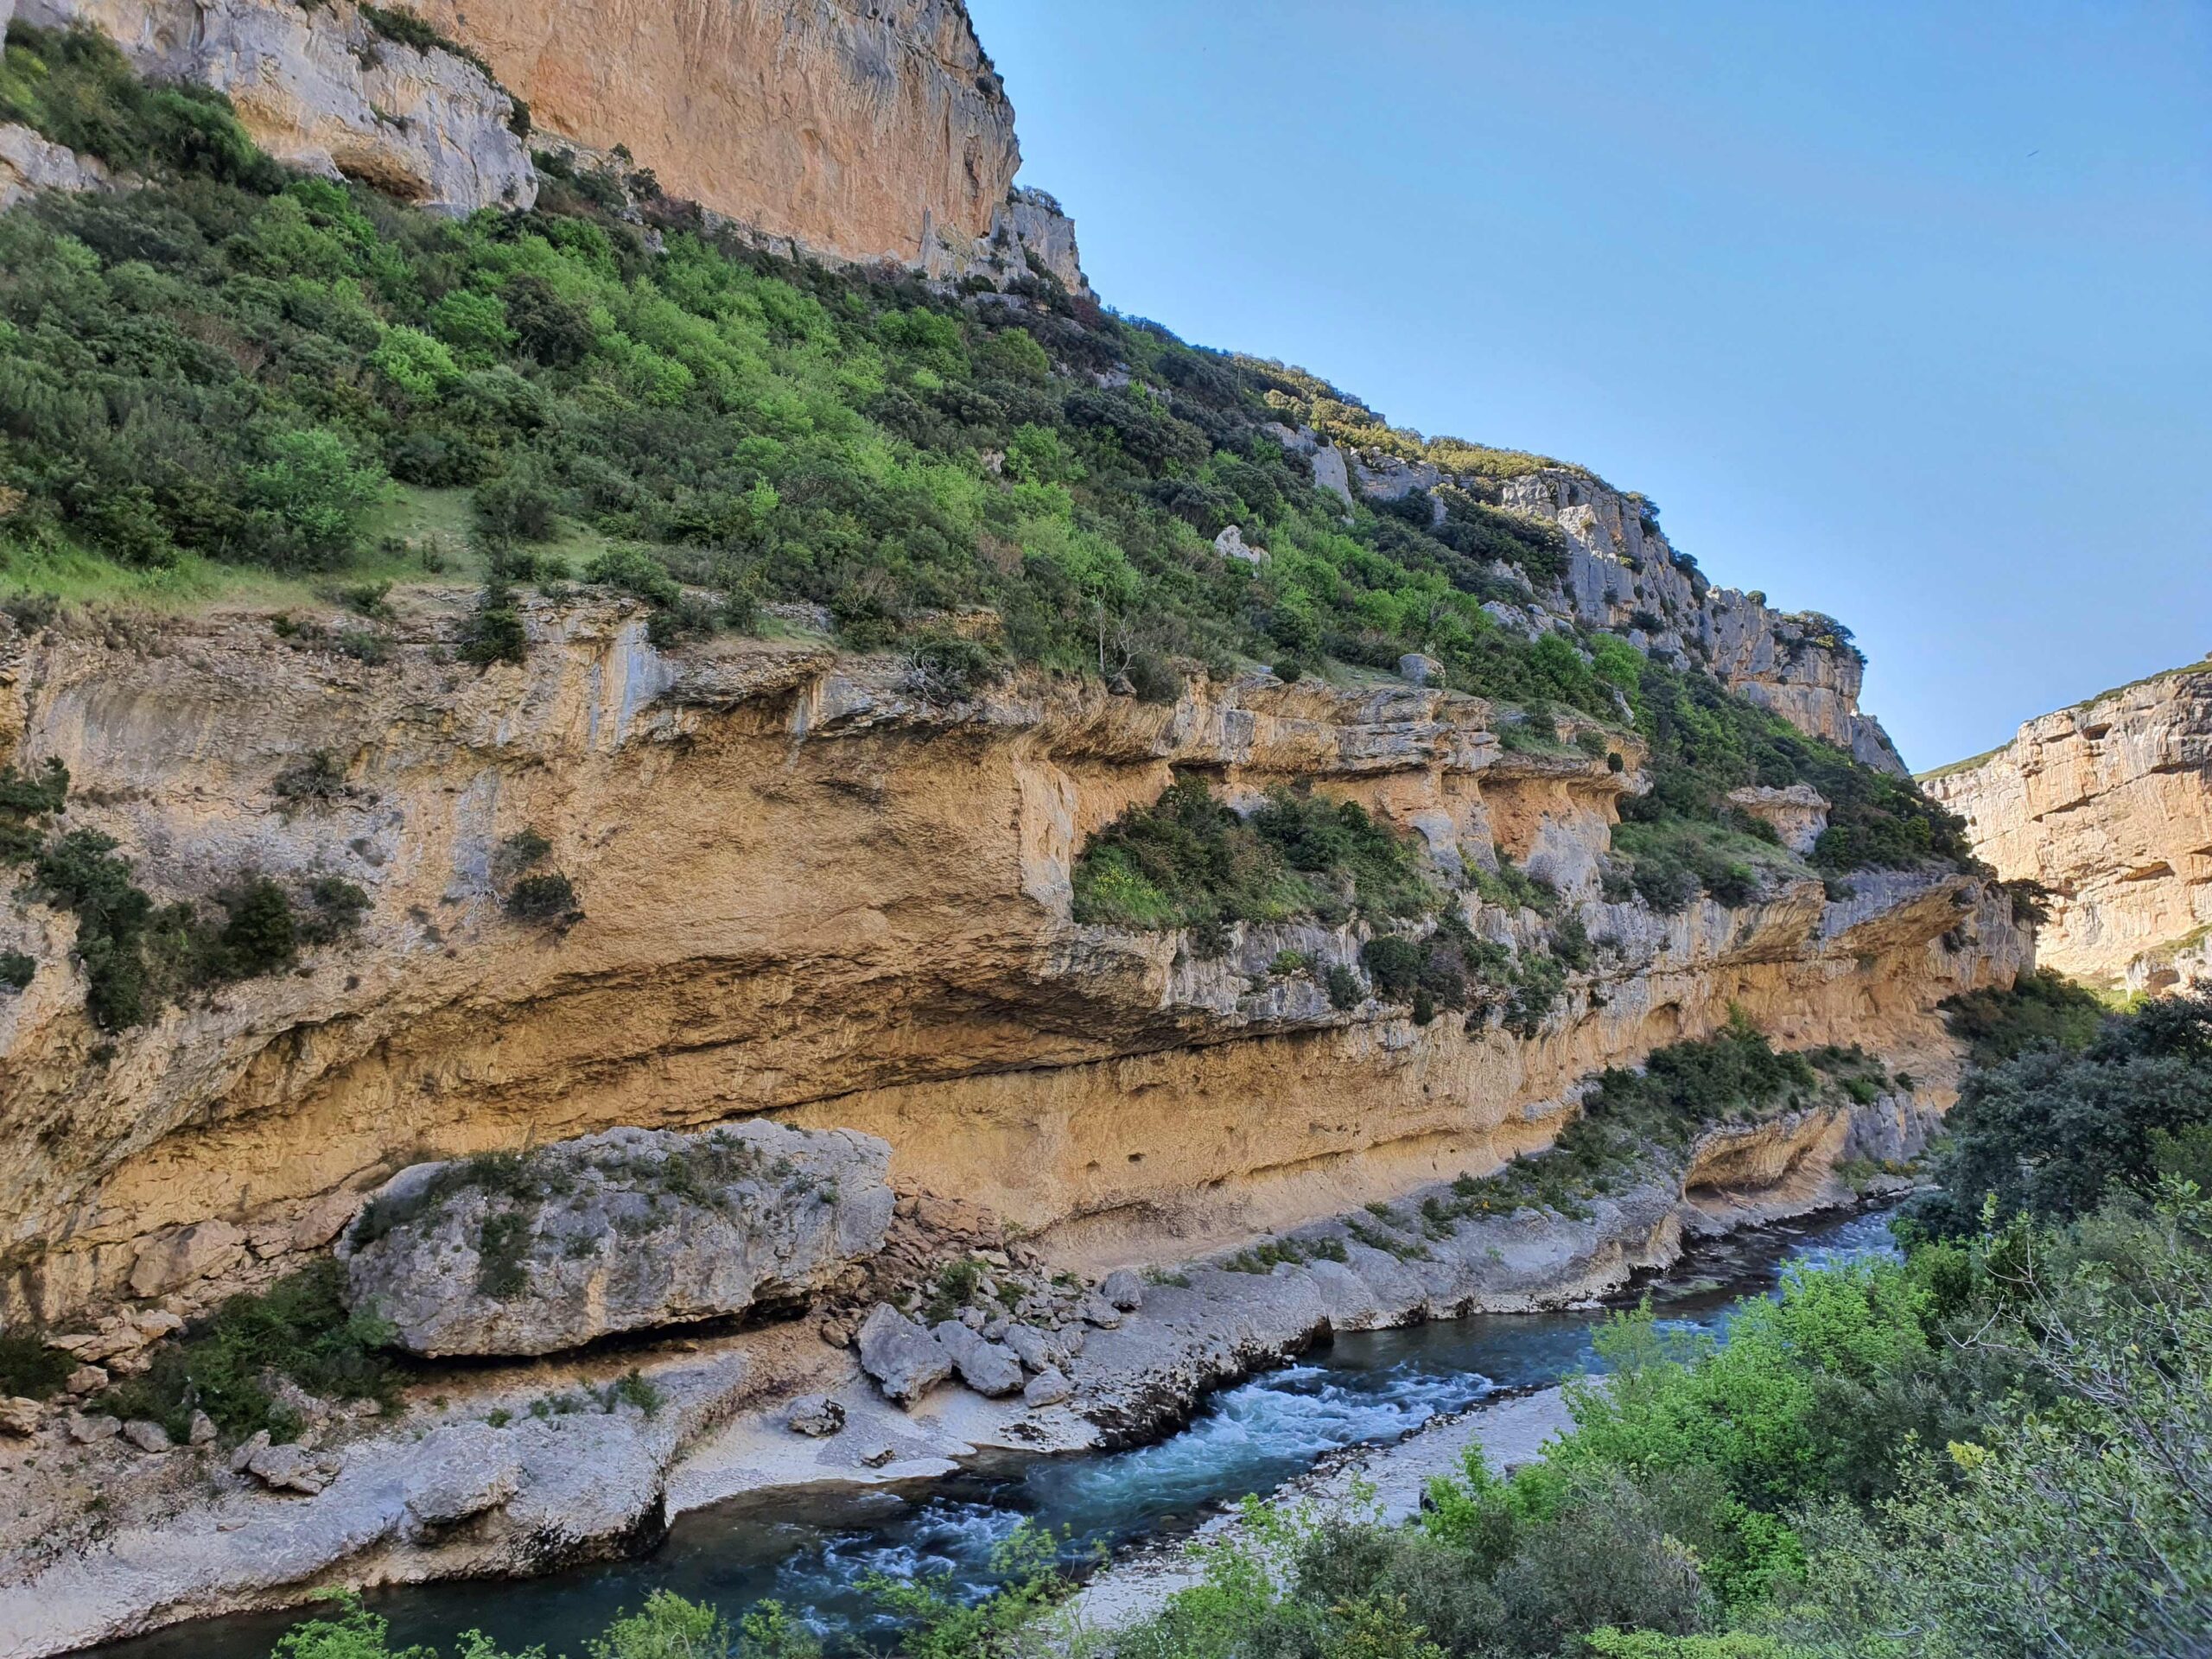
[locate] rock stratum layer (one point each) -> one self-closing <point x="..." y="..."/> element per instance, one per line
<point x="807" y="890"/>
<point x="2109" y="805"/>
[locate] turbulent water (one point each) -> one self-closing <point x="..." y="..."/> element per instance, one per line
<point x="811" y="1551"/>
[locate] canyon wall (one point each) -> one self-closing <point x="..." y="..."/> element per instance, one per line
<point x="865" y="131"/>
<point x="809" y="890"/>
<point x="321" y="88"/>
<point x="2109" y="805"/>
<point x="874" y="132"/>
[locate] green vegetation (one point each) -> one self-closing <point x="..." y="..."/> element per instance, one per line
<point x="1188" y="861"/>
<point x="297" y="1329"/>
<point x="2043" y="1009"/>
<point x="29" y="1369"/>
<point x="2049" y="1131"/>
<point x="137" y="955"/>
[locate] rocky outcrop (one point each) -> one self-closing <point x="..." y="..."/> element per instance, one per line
<point x="874" y="131"/>
<point x="1623" y="576"/>
<point x="810" y="891"/>
<point x="1797" y="813"/>
<point x="29" y="163"/>
<point x="628" y="1231"/>
<point x="321" y="88"/>
<point x="2109" y="805"/>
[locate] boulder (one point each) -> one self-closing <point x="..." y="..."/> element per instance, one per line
<point x="984" y="1366"/>
<point x="1123" y="1289"/>
<point x="200" y="1431"/>
<point x="1095" y="1309"/>
<point x="146" y="1436"/>
<point x="1040" y="1350"/>
<point x="1231" y="545"/>
<point x="629" y="1229"/>
<point x="464" y="1470"/>
<point x="905" y="1360"/>
<point x="1420" y="670"/>
<point x="86" y="1379"/>
<point x="20" y="1417"/>
<point x="292" y="1468"/>
<point x="183" y="1255"/>
<point x="815" y="1414"/>
<point x="89" y="1428"/>
<point x="1048" y="1388"/>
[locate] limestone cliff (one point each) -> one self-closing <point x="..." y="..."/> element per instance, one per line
<point x="322" y="88"/>
<point x="2109" y="805"/>
<point x="865" y="131"/>
<point x="808" y="889"/>
<point x="1623" y="577"/>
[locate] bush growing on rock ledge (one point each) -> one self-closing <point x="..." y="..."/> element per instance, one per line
<point x="1188" y="861"/>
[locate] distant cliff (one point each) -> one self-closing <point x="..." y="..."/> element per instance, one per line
<point x="2109" y="805"/>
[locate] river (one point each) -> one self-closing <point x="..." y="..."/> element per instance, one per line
<point x="810" y="1551"/>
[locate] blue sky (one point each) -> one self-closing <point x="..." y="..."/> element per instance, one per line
<point x="1902" y="313"/>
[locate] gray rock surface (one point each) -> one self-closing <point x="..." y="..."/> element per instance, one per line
<point x="466" y="1469"/>
<point x="320" y="89"/>
<point x="906" y="1360"/>
<point x="1040" y="1350"/>
<point x="29" y="163"/>
<point x="621" y="1231"/>
<point x="815" y="1414"/>
<point x="984" y="1366"/>
<point x="1047" y="1388"/>
<point x="146" y="1436"/>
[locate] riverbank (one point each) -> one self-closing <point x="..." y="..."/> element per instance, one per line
<point x="565" y="1487"/>
<point x="1383" y="1483"/>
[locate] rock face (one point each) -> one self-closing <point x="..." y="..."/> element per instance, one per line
<point x="1622" y="575"/>
<point x="864" y="131"/>
<point x="2109" y="805"/>
<point x="812" y="893"/>
<point x="29" y="163"/>
<point x="321" y="88"/>
<point x="621" y="1231"/>
<point x="1797" y="814"/>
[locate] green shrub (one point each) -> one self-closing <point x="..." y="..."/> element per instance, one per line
<point x="1186" y="860"/>
<point x="495" y="632"/>
<point x="1393" y="966"/>
<point x="2049" y="1132"/>
<point x="2042" y="1009"/>
<point x="29" y="1369"/>
<point x="299" y="1328"/>
<point x="17" y="969"/>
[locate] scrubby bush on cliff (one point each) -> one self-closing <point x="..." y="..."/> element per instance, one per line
<point x="1188" y="861"/>
<point x="298" y="1329"/>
